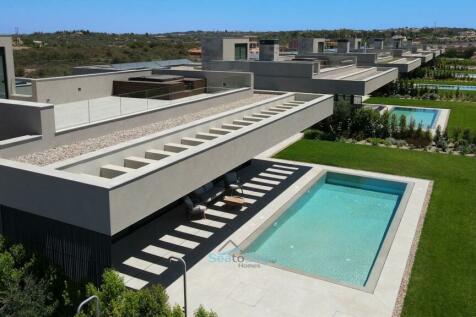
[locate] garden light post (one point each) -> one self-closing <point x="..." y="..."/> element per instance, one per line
<point x="176" y="259"/>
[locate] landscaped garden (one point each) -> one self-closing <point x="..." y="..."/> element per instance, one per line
<point x="31" y="287"/>
<point x="444" y="275"/>
<point x="372" y="127"/>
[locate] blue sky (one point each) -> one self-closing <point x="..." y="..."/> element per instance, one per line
<point x="156" y="16"/>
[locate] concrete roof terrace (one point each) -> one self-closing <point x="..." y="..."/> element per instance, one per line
<point x="314" y="76"/>
<point x="100" y="189"/>
<point x="83" y="107"/>
<point x="81" y="147"/>
<point x="84" y="112"/>
<point x="381" y="58"/>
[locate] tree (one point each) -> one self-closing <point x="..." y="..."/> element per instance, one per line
<point x="21" y="292"/>
<point x="402" y="126"/>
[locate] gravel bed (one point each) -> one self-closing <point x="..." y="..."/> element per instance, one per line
<point x="67" y="151"/>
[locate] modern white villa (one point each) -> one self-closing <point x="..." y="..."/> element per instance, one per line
<point x="125" y="167"/>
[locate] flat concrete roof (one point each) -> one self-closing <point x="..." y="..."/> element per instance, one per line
<point x="74" y="112"/>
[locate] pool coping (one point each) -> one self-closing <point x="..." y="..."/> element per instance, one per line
<point x="384" y="249"/>
<point x="334" y="299"/>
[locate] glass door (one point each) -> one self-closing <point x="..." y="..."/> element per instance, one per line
<point x="3" y="75"/>
<point x="241" y="52"/>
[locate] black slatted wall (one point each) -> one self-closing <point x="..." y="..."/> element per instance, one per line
<point x="83" y="254"/>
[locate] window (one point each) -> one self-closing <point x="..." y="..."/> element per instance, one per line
<point x="3" y="75"/>
<point x="241" y="51"/>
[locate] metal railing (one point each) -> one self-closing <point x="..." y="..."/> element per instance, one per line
<point x="23" y="86"/>
<point x="86" y="301"/>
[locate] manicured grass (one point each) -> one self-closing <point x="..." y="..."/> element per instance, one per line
<point x="468" y="71"/>
<point x="443" y="280"/>
<point x="463" y="114"/>
<point x="445" y="82"/>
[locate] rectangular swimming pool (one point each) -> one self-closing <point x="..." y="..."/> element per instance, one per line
<point x="334" y="230"/>
<point x="427" y="117"/>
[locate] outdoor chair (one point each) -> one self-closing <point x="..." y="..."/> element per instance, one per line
<point x="194" y="210"/>
<point x="207" y="193"/>
<point x="232" y="183"/>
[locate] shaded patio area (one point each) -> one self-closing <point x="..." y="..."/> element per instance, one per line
<point x="141" y="257"/>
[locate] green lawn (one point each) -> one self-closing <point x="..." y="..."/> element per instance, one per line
<point x="445" y="82"/>
<point x="463" y="114"/>
<point x="443" y="280"/>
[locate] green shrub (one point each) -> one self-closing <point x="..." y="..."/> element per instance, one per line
<point x="117" y="301"/>
<point x="376" y="141"/>
<point x="22" y="292"/>
<point x="202" y="312"/>
<point x="312" y="134"/>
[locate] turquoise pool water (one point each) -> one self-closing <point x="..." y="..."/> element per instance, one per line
<point x="334" y="230"/>
<point x="427" y="117"/>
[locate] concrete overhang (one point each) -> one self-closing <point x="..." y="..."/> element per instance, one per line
<point x="359" y="81"/>
<point x="311" y="77"/>
<point x="424" y="56"/>
<point x="372" y="58"/>
<point x="404" y="64"/>
<point x="73" y="191"/>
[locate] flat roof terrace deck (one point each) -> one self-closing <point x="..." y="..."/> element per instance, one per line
<point x="74" y="114"/>
<point x="339" y="72"/>
<point x="74" y="149"/>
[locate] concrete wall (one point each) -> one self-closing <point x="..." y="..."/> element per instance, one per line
<point x="370" y="59"/>
<point x="229" y="47"/>
<point x="299" y="76"/>
<point x="6" y="43"/>
<point x="362" y="59"/>
<point x="19" y="118"/>
<point x="50" y="137"/>
<point x="269" y="50"/>
<point x="388" y="75"/>
<point x="343" y="46"/>
<point x="290" y="69"/>
<point x="310" y="45"/>
<point x="145" y="191"/>
<point x="57" y="195"/>
<point x="80" y="87"/>
<point x="221" y="48"/>
<point x="215" y="78"/>
<point x="407" y="66"/>
<point x="205" y="166"/>
<point x="212" y="49"/>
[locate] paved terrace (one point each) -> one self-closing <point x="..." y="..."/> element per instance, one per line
<point x="141" y="258"/>
<point x="71" y="150"/>
<point x="73" y="114"/>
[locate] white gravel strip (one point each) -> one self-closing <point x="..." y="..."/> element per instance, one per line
<point x="67" y="151"/>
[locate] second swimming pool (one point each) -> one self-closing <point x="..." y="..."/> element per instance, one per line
<point x="427" y="117"/>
